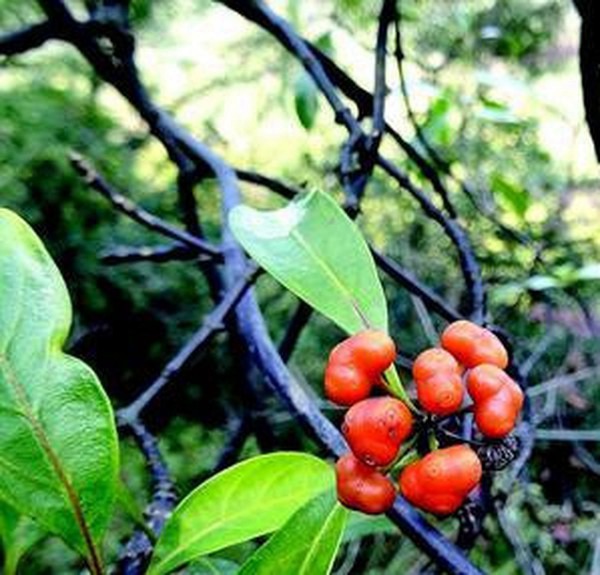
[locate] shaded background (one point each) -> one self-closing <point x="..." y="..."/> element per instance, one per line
<point x="495" y="86"/>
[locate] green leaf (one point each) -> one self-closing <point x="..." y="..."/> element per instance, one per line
<point x="58" y="441"/>
<point x="212" y="566"/>
<point x="18" y="535"/>
<point x="587" y="273"/>
<point x="306" y="545"/>
<point x="541" y="283"/>
<point x="360" y="525"/>
<point x="313" y="248"/>
<point x="306" y="100"/>
<point x="250" y="499"/>
<point x="132" y="509"/>
<point x="515" y="197"/>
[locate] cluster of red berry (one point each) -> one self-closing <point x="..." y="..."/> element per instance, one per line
<point x="377" y="427"/>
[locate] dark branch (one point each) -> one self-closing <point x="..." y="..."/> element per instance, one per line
<point x="137" y="552"/>
<point x="468" y="261"/>
<point x="154" y="254"/>
<point x="134" y="212"/>
<point x="295" y="328"/>
<point x="262" y="15"/>
<point x="194" y="346"/>
<point x="589" y="64"/>
<point x="27" y="39"/>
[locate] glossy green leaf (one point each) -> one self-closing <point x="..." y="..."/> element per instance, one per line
<point x="250" y="499"/>
<point x="315" y="250"/>
<point x="306" y="100"/>
<point x="18" y="534"/>
<point x="306" y="545"/>
<point x="58" y="441"/>
<point x="360" y="525"/>
<point x="212" y="566"/>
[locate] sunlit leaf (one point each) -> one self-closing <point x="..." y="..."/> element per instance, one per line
<point x="318" y="253"/>
<point x="588" y="272"/>
<point x="306" y="545"/>
<point x="541" y="283"/>
<point x="212" y="566"/>
<point x="250" y="499"/>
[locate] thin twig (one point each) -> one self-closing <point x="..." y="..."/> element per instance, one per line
<point x="134" y="212"/>
<point x="212" y="324"/>
<point x="563" y="381"/>
<point x="154" y="254"/>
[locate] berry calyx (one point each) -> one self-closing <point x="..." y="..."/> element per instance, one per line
<point x="375" y="429"/>
<point x="473" y="345"/>
<point x="497" y="400"/>
<point x="356" y="364"/>
<point x="440" y="482"/>
<point x="362" y="487"/>
<point x="438" y="380"/>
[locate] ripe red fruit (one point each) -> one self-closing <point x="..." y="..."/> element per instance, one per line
<point x="362" y="487"/>
<point x="356" y="364"/>
<point x="440" y="482"/>
<point x="473" y="345"/>
<point x="438" y="379"/>
<point x="497" y="398"/>
<point x="375" y="428"/>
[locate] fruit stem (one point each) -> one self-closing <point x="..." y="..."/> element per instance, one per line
<point x="432" y="441"/>
<point x="410" y="457"/>
<point x="394" y="385"/>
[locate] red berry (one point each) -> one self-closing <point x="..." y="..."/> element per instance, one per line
<point x="438" y="379"/>
<point x="362" y="487"/>
<point x="473" y="345"/>
<point x="375" y="428"/>
<point x="345" y="384"/>
<point x="440" y="482"/>
<point x="356" y="364"/>
<point x="497" y="400"/>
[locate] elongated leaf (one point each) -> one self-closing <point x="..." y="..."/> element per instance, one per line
<point x="306" y="545"/>
<point x="18" y="534"/>
<point x="318" y="253"/>
<point x="250" y="499"/>
<point x="58" y="442"/>
<point x="212" y="566"/>
<point x="360" y="525"/>
<point x="305" y="100"/>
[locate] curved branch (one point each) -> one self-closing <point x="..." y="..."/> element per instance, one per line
<point x="27" y="39"/>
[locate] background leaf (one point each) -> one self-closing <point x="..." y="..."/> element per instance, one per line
<point x="318" y="253"/>
<point x="250" y="499"/>
<point x="305" y="100"/>
<point x="58" y="442"/>
<point x="306" y="545"/>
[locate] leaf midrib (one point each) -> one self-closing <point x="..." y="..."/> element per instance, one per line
<point x="217" y="524"/>
<point x="40" y="433"/>
<point x="317" y="540"/>
<point x="323" y="265"/>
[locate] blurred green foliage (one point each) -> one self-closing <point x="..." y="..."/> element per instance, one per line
<point x="491" y="84"/>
